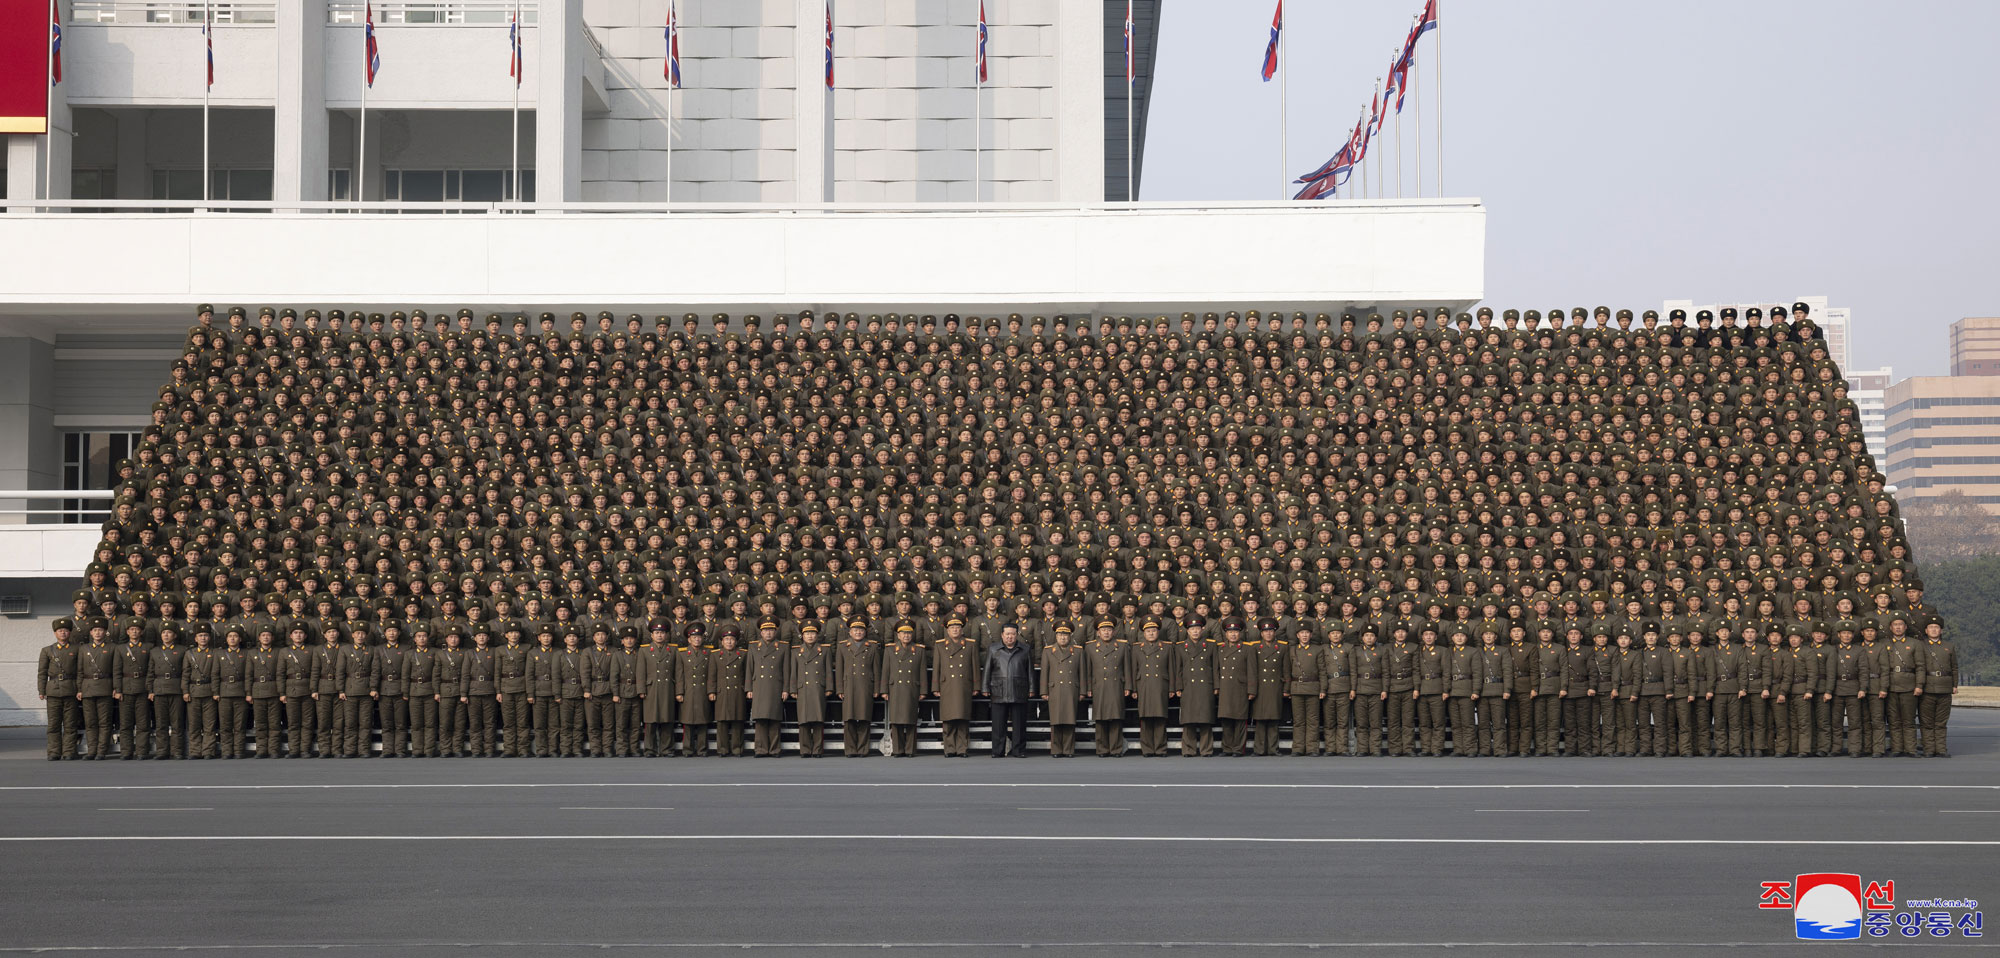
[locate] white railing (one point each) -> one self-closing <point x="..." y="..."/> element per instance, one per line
<point x="139" y="12"/>
<point x="182" y="207"/>
<point x="76" y="505"/>
<point x="418" y="13"/>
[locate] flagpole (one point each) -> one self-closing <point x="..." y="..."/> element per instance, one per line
<point x="1399" y="135"/>
<point x="673" y="42"/>
<point x="978" y="87"/>
<point x="520" y="67"/>
<point x="1131" y="148"/>
<point x="1284" y="133"/>
<point x="208" y="45"/>
<point x="49" y="111"/>
<point x="1439" y="77"/>
<point x="1418" y="95"/>
<point x="361" y="143"/>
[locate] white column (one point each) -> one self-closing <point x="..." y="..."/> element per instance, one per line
<point x="371" y="159"/>
<point x="299" y="148"/>
<point x="559" y="101"/>
<point x="1080" y="102"/>
<point x="812" y="109"/>
<point x="135" y="178"/>
<point x="28" y="459"/>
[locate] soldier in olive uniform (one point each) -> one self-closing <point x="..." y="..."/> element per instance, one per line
<point x="1153" y="669"/>
<point x="1307" y="690"/>
<point x="267" y="684"/>
<point x="200" y="666"/>
<point x="660" y="715"/>
<point x="572" y="679"/>
<point x="901" y="685"/>
<point x="168" y="694"/>
<point x="1849" y="668"/>
<point x="629" y="680"/>
<point x="1875" y="683"/>
<point x="56" y="685"/>
<point x="809" y="679"/>
<point x="1627" y="682"/>
<point x="543" y="683"/>
<point x="955" y="665"/>
<point x="1461" y="692"/>
<point x="454" y="705"/>
<point x="232" y="692"/>
<point x="295" y="676"/>
<point x="1655" y="676"/>
<point x="1496" y="689"/>
<point x="1194" y="687"/>
<point x="1904" y="662"/>
<point x="765" y="665"/>
<point x="1062" y="688"/>
<point x="392" y="699"/>
<point x="1400" y="676"/>
<point x="1107" y="684"/>
<point x="1547" y="698"/>
<point x="329" y="719"/>
<point x="510" y="667"/>
<point x="1525" y="658"/>
<point x="1805" y="685"/>
<point x="1780" y="669"/>
<point x="1336" y="671"/>
<point x="1371" y="694"/>
<point x="1433" y="692"/>
<point x="420" y="683"/>
<point x="1726" y="663"/>
<point x="1939" y="685"/>
<point x="600" y="666"/>
<point x="692" y="699"/>
<point x="131" y="680"/>
<point x="856" y="663"/>
<point x="356" y="669"/>
<point x="482" y="684"/>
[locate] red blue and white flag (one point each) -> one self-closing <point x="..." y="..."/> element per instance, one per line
<point x="515" y="68"/>
<point x="371" y="55"/>
<point x="55" y="45"/>
<point x="1130" y="72"/>
<point x="829" y="44"/>
<point x="1271" y="48"/>
<point x="1429" y="20"/>
<point x="673" y="67"/>
<point x="208" y="39"/>
<point x="982" y="41"/>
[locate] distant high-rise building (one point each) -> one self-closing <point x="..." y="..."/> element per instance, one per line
<point x="1867" y="389"/>
<point x="1975" y="346"/>
<point x="1941" y="436"/>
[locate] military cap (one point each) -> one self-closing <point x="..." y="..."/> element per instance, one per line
<point x="266" y="311"/>
<point x="1486" y="312"/>
<point x="203" y="308"/>
<point x="1605" y="311"/>
<point x="657" y="627"/>
<point x="288" y="313"/>
<point x="1677" y="314"/>
<point x="954" y="620"/>
<point x="235" y="311"/>
<point x="398" y="314"/>
<point x="335" y="314"/>
<point x="1195" y="622"/>
<point x="809" y="627"/>
<point x="1728" y="312"/>
<point x="697" y="629"/>
<point x="1510" y="315"/>
<point x="731" y="632"/>
<point x="1064" y="630"/>
<point x="766" y="624"/>
<point x="605" y="314"/>
<point x="1150" y="624"/>
<point x="1577" y="312"/>
<point x="1704" y="316"/>
<point x="1624" y="314"/>
<point x="1801" y="309"/>
<point x="62" y="625"/>
<point x="1532" y="316"/>
<point x="1652" y="314"/>
<point x="1232" y="625"/>
<point x="1267" y="625"/>
<point x="905" y="627"/>
<point x="1753" y="313"/>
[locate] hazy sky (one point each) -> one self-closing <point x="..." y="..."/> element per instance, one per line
<point x="1633" y="152"/>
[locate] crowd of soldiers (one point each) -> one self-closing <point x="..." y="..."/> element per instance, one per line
<point x="1534" y="534"/>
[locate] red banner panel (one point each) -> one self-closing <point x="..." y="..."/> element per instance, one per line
<point x="24" y="66"/>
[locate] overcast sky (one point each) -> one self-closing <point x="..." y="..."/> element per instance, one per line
<point x="1629" y="153"/>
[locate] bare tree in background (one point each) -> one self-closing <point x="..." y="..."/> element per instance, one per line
<point x="1950" y="526"/>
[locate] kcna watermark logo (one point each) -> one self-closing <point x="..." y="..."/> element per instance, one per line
<point x="1836" y="907"/>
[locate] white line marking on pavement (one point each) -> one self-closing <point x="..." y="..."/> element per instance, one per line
<point x="189" y="809"/>
<point x="1969" y="811"/>
<point x="616" y="808"/>
<point x="1531" y="809"/>
<point x="1154" y="785"/>
<point x="1068" y="808"/>
<point x="1138" y="839"/>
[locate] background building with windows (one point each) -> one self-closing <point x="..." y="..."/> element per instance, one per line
<point x="1975" y="346"/>
<point x="1944" y="434"/>
<point x="1867" y="388"/>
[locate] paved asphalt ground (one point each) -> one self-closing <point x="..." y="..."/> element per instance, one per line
<point x="974" y="856"/>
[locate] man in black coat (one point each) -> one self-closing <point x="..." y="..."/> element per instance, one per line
<point x="1007" y="683"/>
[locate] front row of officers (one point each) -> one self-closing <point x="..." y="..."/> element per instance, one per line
<point x="1757" y="693"/>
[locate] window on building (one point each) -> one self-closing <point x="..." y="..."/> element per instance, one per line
<point x="90" y="460"/>
<point x="453" y="186"/>
<point x="223" y="184"/>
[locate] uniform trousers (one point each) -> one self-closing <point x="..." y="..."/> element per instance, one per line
<point x="729" y="737"/>
<point x="1728" y="711"/>
<point x="630" y="711"/>
<point x="424" y="725"/>
<point x="1780" y="723"/>
<point x="1264" y="735"/>
<point x="358" y="715"/>
<point x="265" y="715"/>
<point x="299" y="715"/>
<point x="1305" y="725"/>
<point x="201" y="726"/>
<point x="1431" y="711"/>
<point x="65" y="717"/>
<point x="902" y="739"/>
<point x="1683" y="715"/>
<point x="1336" y="723"/>
<point x="569" y="722"/>
<point x="1521" y="726"/>
<point x="1233" y="735"/>
<point x="1934" y="713"/>
<point x="1368" y="709"/>
<point x="1704" y="724"/>
<point x="482" y="716"/>
<point x="169" y="725"/>
<point x="1653" y="725"/>
<point x="135" y="725"/>
<point x="1756" y="723"/>
<point x="328" y="720"/>
<point x="1849" y="725"/>
<point x="1110" y="737"/>
<point x="812" y="738"/>
<point x="1902" y="723"/>
<point x="395" y="711"/>
<point x="956" y="737"/>
<point x="1010" y="729"/>
<point x="1402" y="716"/>
<point x="1625" y="725"/>
<point x="1062" y="740"/>
<point x="1492" y="719"/>
<point x="600" y="723"/>
<point x="1548" y="710"/>
<point x="100" y="715"/>
<point x="544" y="710"/>
<point x="660" y="741"/>
<point x="229" y="724"/>
<point x="1824" y="739"/>
<point x="1802" y="704"/>
<point x="695" y="739"/>
<point x="453" y="712"/>
<point x="770" y="736"/>
<point x="1579" y="717"/>
<point x="515" y="720"/>
<point x="1464" y="732"/>
<point x="1878" y="724"/>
